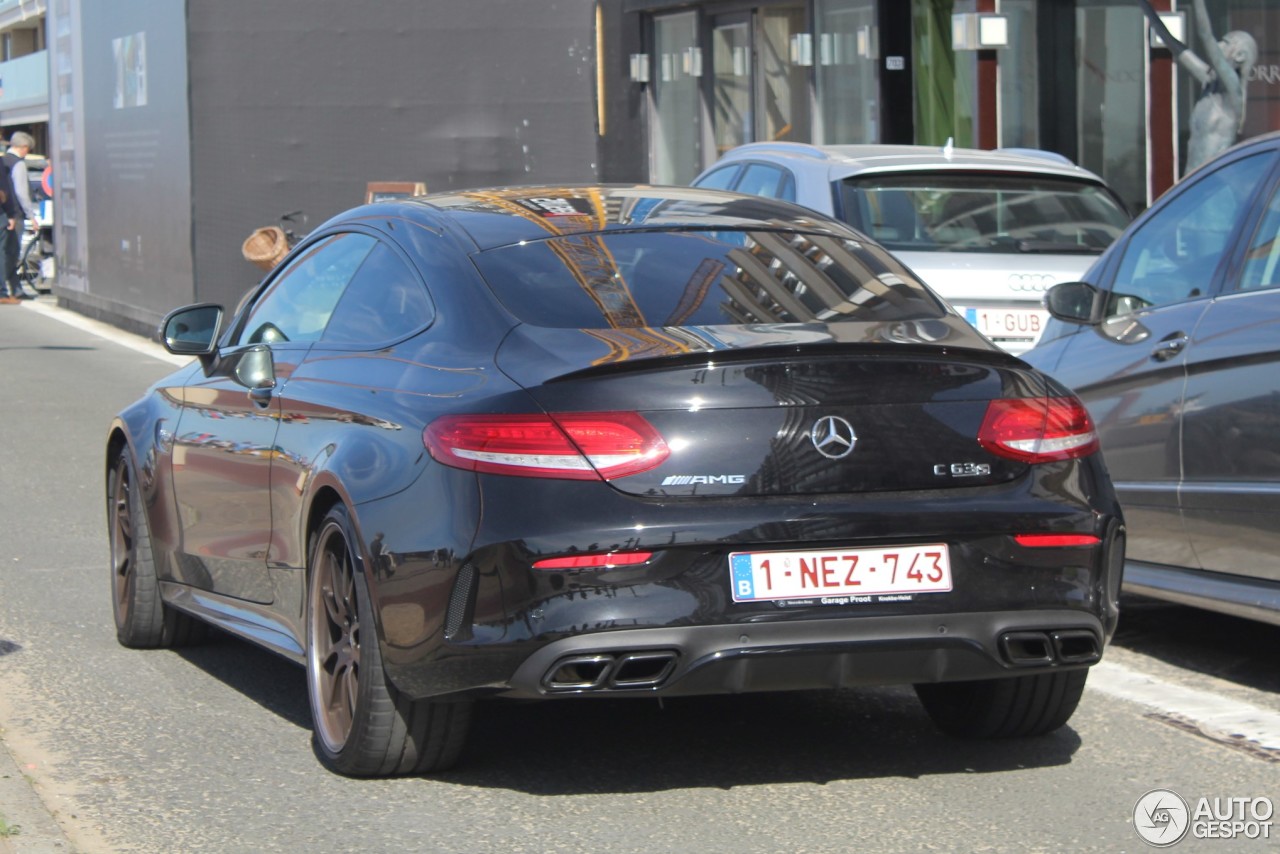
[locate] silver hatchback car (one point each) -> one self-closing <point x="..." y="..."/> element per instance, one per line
<point x="990" y="231"/>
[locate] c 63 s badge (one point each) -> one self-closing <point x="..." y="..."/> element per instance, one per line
<point x="962" y="469"/>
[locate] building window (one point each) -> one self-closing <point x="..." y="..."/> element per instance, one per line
<point x="1019" y="77"/>
<point x="1111" y="105"/>
<point x="946" y="80"/>
<point x="846" y="61"/>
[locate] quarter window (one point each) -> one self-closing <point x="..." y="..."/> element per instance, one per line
<point x="384" y="301"/>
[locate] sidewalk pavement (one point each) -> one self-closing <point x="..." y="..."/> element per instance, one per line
<point x="47" y="306"/>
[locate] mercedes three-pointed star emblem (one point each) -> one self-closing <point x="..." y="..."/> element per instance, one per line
<point x="833" y="437"/>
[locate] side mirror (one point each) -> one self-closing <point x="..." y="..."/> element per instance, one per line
<point x="255" y="369"/>
<point x="193" y="330"/>
<point x="1073" y="302"/>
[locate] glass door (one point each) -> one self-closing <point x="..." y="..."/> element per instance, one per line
<point x="782" y="85"/>
<point x="1111" y="105"/>
<point x="847" y="65"/>
<point x="731" y="63"/>
<point x="677" y="129"/>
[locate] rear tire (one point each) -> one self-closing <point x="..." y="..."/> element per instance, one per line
<point x="363" y="726"/>
<point x="143" y="621"/>
<point x="1004" y="708"/>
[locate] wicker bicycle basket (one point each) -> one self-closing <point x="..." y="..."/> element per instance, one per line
<point x="266" y="247"/>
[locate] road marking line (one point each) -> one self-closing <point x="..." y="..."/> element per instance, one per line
<point x="1213" y="714"/>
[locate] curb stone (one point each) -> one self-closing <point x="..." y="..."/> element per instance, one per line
<point x="20" y="805"/>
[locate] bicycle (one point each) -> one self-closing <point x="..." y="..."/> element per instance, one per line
<point x="35" y="259"/>
<point x="287" y="222"/>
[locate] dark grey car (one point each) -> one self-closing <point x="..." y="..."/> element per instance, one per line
<point x="1173" y="342"/>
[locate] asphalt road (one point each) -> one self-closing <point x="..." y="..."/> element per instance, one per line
<point x="209" y="748"/>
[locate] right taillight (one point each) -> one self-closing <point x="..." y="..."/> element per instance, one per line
<point x="1038" y="429"/>
<point x="564" y="445"/>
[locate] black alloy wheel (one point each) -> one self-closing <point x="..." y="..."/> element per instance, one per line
<point x="142" y="619"/>
<point x="363" y="726"/>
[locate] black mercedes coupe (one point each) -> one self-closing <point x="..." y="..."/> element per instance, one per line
<point x="555" y="442"/>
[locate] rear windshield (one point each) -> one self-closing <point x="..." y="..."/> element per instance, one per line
<point x="981" y="212"/>
<point x="697" y="278"/>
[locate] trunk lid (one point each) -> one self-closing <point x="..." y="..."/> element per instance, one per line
<point x="785" y="410"/>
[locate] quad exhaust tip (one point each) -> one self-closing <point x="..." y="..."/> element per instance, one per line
<point x="1065" y="646"/>
<point x="625" y="671"/>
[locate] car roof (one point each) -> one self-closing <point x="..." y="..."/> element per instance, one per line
<point x="501" y="216"/>
<point x="844" y="161"/>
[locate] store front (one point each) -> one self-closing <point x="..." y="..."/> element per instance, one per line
<point x="1079" y="77"/>
<point x="718" y="75"/>
<point x="723" y="76"/>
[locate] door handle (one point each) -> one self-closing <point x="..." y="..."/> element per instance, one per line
<point x="1169" y="347"/>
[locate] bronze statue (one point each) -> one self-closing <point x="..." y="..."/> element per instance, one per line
<point x="1218" y="116"/>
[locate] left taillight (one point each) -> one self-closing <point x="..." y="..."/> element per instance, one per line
<point x="565" y="445"/>
<point x="1038" y="429"/>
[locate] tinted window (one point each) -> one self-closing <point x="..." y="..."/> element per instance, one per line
<point x="788" y="190"/>
<point x="955" y="212"/>
<point x="385" y="300"/>
<point x="297" y="305"/>
<point x="1174" y="255"/>
<point x="721" y="179"/>
<point x="761" y="180"/>
<point x="1262" y="261"/>
<point x="691" y="278"/>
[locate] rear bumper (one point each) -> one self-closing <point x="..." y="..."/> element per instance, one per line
<point x="484" y="623"/>
<point x="813" y="654"/>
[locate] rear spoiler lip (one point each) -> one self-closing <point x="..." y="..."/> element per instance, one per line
<point x="645" y="362"/>
<point x="819" y="350"/>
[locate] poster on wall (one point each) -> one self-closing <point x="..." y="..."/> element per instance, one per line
<point x="131" y="70"/>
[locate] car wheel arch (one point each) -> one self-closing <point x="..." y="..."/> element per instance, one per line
<point x="325" y="497"/>
<point x="117" y="440"/>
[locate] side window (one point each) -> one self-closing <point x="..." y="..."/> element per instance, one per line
<point x="1173" y="257"/>
<point x="721" y="179"/>
<point x="761" y="180"/>
<point x="1262" y="260"/>
<point x="385" y="300"/>
<point x="297" y="305"/>
<point x="787" y="192"/>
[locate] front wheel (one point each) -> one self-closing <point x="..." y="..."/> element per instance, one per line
<point x="363" y="727"/>
<point x="1004" y="708"/>
<point x="142" y="619"/>
<point x="30" y="269"/>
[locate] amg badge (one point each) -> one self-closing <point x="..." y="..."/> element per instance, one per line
<point x="689" y="479"/>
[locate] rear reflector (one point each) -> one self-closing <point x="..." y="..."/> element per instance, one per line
<point x="1053" y="541"/>
<point x="1038" y="429"/>
<point x="600" y="561"/>
<point x="572" y="445"/>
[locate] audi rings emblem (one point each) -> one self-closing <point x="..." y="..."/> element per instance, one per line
<point x="1030" y="282"/>
<point x="833" y="437"/>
